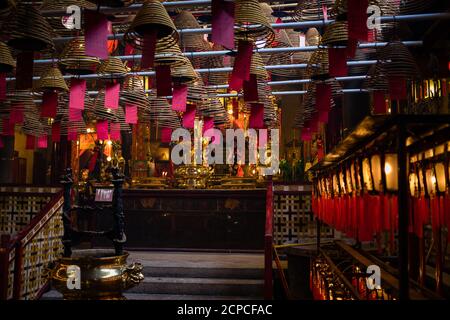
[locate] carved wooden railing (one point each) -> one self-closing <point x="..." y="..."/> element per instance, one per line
<point x="25" y="255"/>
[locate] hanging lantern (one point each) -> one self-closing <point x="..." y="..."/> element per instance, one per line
<point x="354" y="168"/>
<point x="390" y="171"/>
<point x="367" y="176"/>
<point x="342" y="181"/>
<point x="414" y="185"/>
<point x="375" y="162"/>
<point x="439" y="169"/>
<point x="430" y="180"/>
<point x="336" y="184"/>
<point x="349" y="179"/>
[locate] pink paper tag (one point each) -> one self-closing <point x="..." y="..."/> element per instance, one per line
<point x="16" y="114"/>
<point x="208" y="123"/>
<point x="131" y="115"/>
<point x="30" y="143"/>
<point x="163" y="81"/>
<point x="323" y="116"/>
<point x="2" y="86"/>
<point x="72" y="135"/>
<point x="77" y="93"/>
<point x="306" y="134"/>
<point x="42" y="142"/>
<point x="56" y="132"/>
<point x="323" y="97"/>
<point x="129" y="50"/>
<point x="302" y="40"/>
<point x="102" y="129"/>
<point x="115" y="131"/>
<point x="8" y="128"/>
<point x="179" y="97"/>
<point x="75" y="115"/>
<point x="49" y="104"/>
<point x="379" y="102"/>
<point x="112" y="95"/>
<point x="96" y="35"/>
<point x="257" y="116"/>
<point x="241" y="68"/>
<point x="148" y="50"/>
<point x="189" y="117"/>
<point x="1" y="143"/>
<point x="166" y="135"/>
<point x="325" y="12"/>
<point x="223" y="23"/>
<point x="337" y="62"/>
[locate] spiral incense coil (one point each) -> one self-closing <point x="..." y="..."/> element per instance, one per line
<point x="74" y="60"/>
<point x="336" y="34"/>
<point x="308" y="10"/>
<point x="52" y="79"/>
<point x="7" y="62"/>
<point x="252" y="24"/>
<point x="120" y="114"/>
<point x="168" y="55"/>
<point x="133" y="92"/>
<point x="112" y="68"/>
<point x="183" y="73"/>
<point x="6" y="11"/>
<point x="198" y="95"/>
<point x="377" y="78"/>
<point x="257" y="66"/>
<point x="362" y="54"/>
<point x="100" y="111"/>
<point x="281" y="39"/>
<point x="114" y="3"/>
<point x="412" y="6"/>
<point x="185" y="20"/>
<point x="312" y="37"/>
<point x="29" y="30"/>
<point x="152" y="17"/>
<point x="215" y="78"/>
<point x="162" y="113"/>
<point x="398" y="60"/>
<point x="318" y="65"/>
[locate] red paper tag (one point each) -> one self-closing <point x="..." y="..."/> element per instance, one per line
<point x="251" y="89"/>
<point x="2" y="145"/>
<point x="30" y="142"/>
<point x="241" y="68"/>
<point x="208" y="123"/>
<point x="49" y="104"/>
<point x="77" y="93"/>
<point x="379" y="102"/>
<point x="189" y="117"/>
<point x="42" y="142"/>
<point x="72" y="135"/>
<point x="179" y="98"/>
<point x="2" y="86"/>
<point x="323" y="97"/>
<point x="16" y="114"/>
<point x="338" y="62"/>
<point x="397" y="88"/>
<point x="131" y="115"/>
<point x="129" y="50"/>
<point x="166" y="135"/>
<point x="96" y="35"/>
<point x="306" y="134"/>
<point x="223" y="23"/>
<point x="163" y="81"/>
<point x="148" y="50"/>
<point x="256" y="116"/>
<point x="112" y="95"/>
<point x="357" y="19"/>
<point x="56" y="132"/>
<point x="24" y="70"/>
<point x="102" y="129"/>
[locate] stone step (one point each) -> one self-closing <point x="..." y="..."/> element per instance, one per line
<point x="218" y="273"/>
<point x="55" y="295"/>
<point x="200" y="286"/>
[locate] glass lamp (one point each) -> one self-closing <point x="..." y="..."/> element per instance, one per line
<point x="375" y="161"/>
<point x="391" y="171"/>
<point x="439" y="169"/>
<point x="367" y="177"/>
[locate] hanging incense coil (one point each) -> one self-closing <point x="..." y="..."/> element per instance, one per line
<point x="162" y="113"/>
<point x="281" y="39"/>
<point x="340" y="6"/>
<point x="100" y="111"/>
<point x="151" y="17"/>
<point x="120" y="114"/>
<point x="362" y="54"/>
<point x="62" y="115"/>
<point x="398" y="60"/>
<point x="7" y="62"/>
<point x="214" y="62"/>
<point x="336" y="34"/>
<point x="308" y="10"/>
<point x="185" y="20"/>
<point x="74" y="60"/>
<point x="377" y="78"/>
<point x="252" y="24"/>
<point x="52" y="79"/>
<point x="198" y="95"/>
<point x="318" y="65"/>
<point x="114" y="3"/>
<point x="7" y="8"/>
<point x="133" y="93"/>
<point x="183" y="73"/>
<point x="112" y="68"/>
<point x="257" y="66"/>
<point x="312" y="37"/>
<point x="29" y="30"/>
<point x="168" y="55"/>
